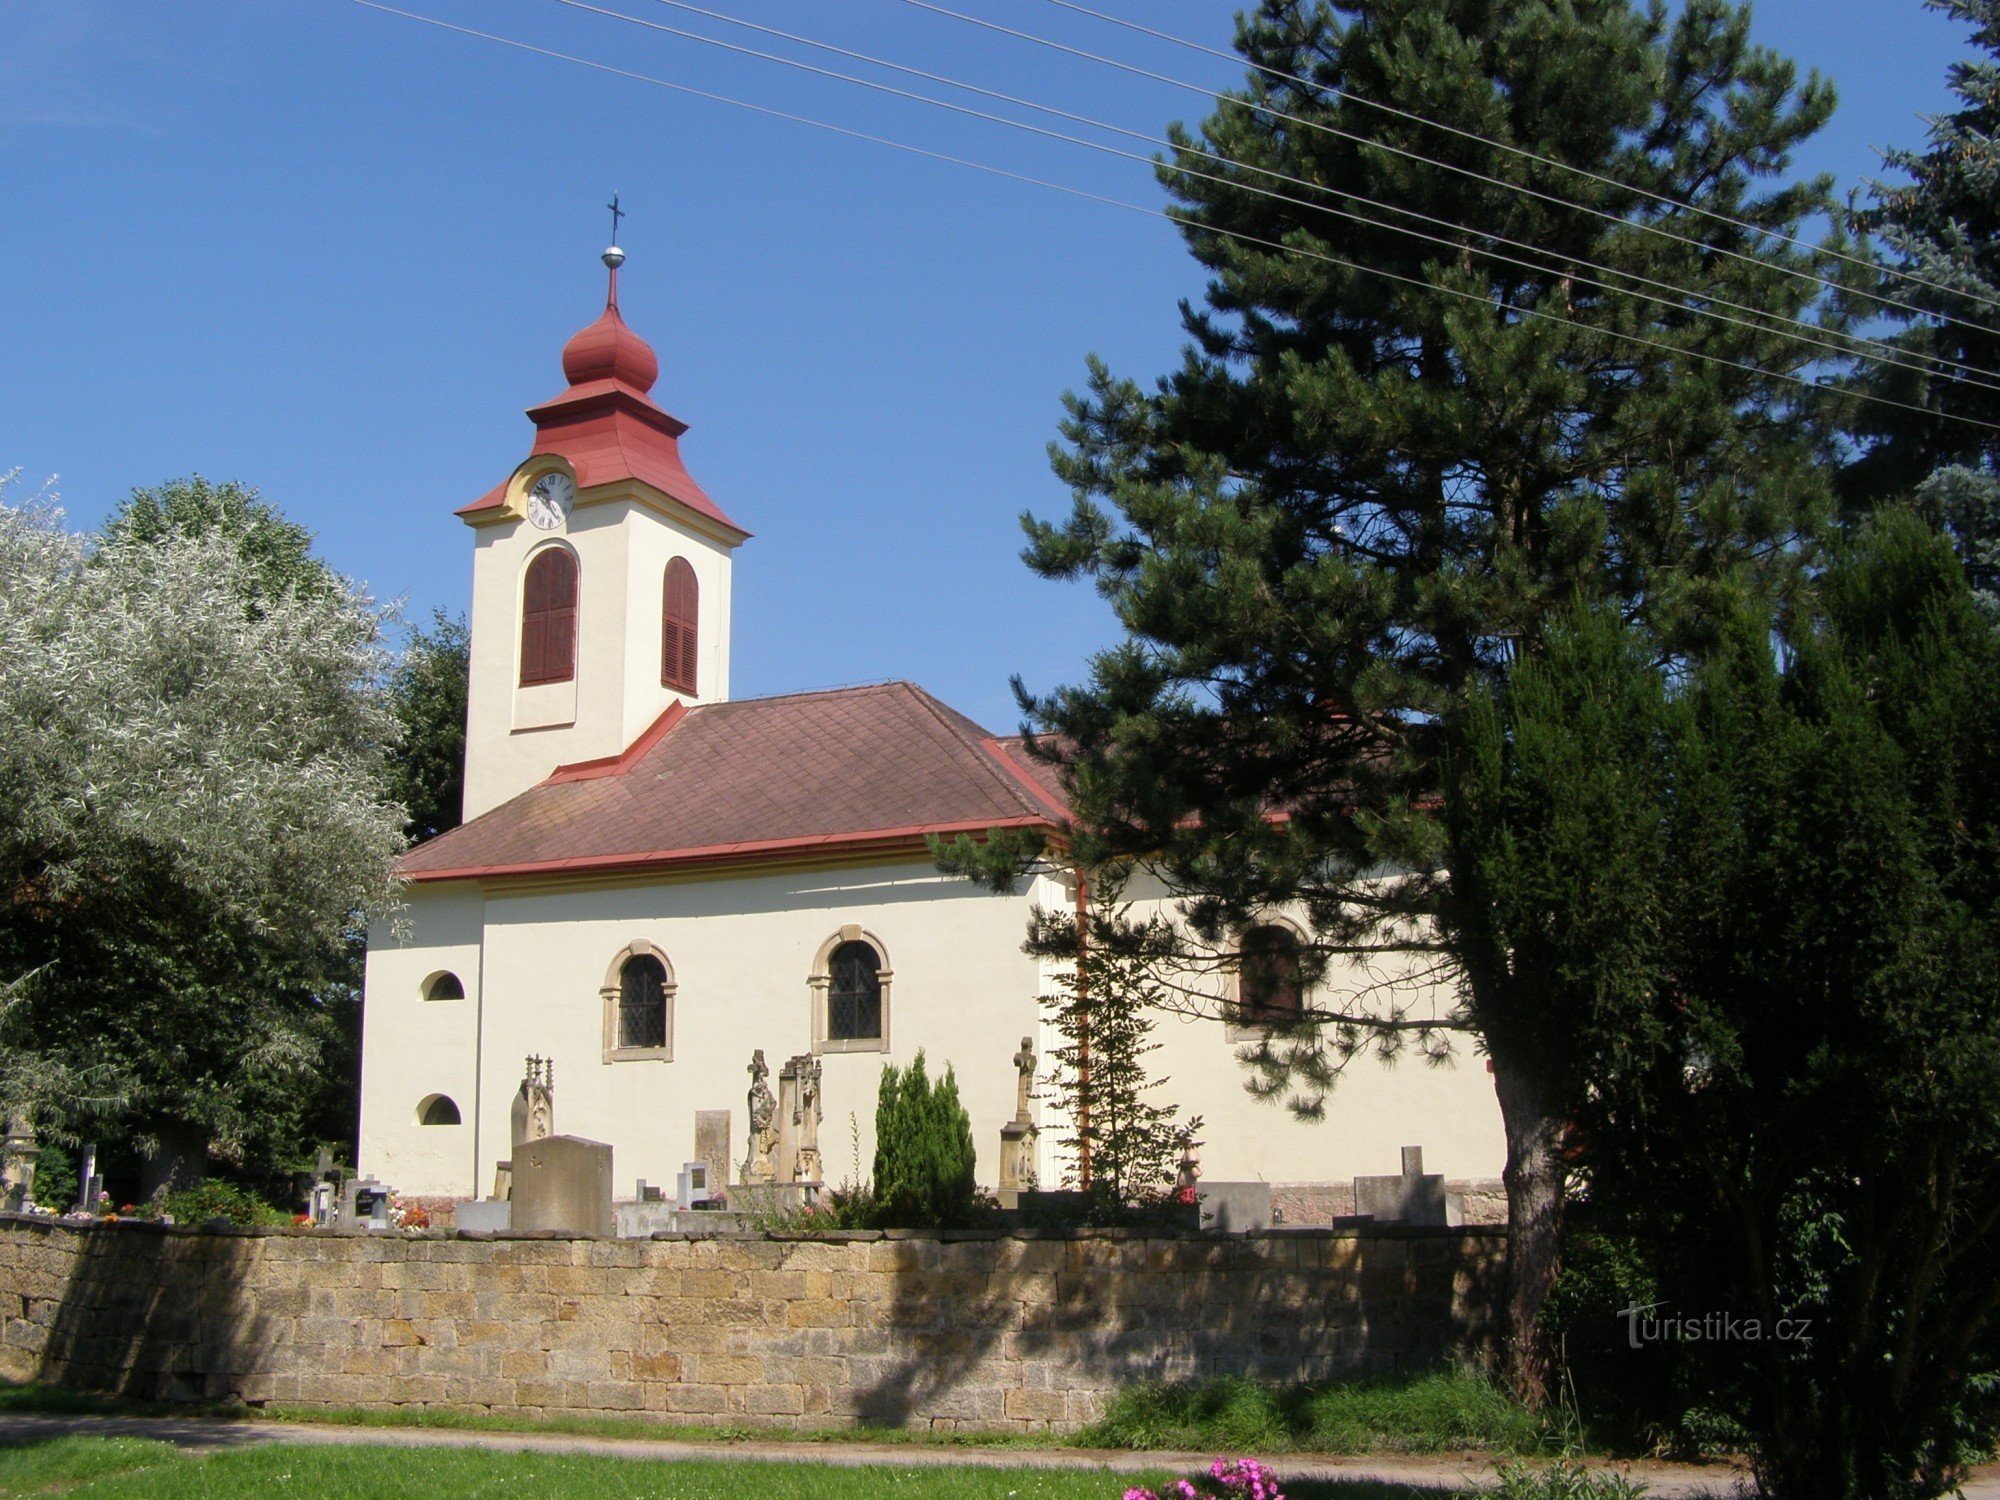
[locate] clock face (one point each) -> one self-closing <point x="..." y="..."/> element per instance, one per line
<point x="549" y="501"/>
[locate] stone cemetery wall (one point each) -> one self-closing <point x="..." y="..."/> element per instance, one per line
<point x="1014" y="1332"/>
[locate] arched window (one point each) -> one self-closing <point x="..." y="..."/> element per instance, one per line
<point x="639" y="1005"/>
<point x="548" y="618"/>
<point x="444" y="985"/>
<point x="437" y="1110"/>
<point x="850" y="993"/>
<point x="1267" y="977"/>
<point x="854" y="994"/>
<point x="680" y="599"/>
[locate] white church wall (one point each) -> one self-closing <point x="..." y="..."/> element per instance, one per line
<point x="413" y="1047"/>
<point x="1376" y="1109"/>
<point x="741" y="952"/>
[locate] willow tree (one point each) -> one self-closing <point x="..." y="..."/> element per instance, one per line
<point x="1391" y="447"/>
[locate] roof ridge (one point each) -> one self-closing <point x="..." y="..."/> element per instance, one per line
<point x="852" y="687"/>
<point x="975" y="741"/>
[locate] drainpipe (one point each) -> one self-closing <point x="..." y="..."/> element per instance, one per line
<point x="479" y="1050"/>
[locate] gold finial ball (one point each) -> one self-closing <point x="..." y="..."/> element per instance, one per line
<point x="614" y="257"/>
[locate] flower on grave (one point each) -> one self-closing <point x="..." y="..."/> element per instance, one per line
<point x="302" y="1218"/>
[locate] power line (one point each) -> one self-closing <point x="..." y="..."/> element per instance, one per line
<point x="1167" y="214"/>
<point x="1521" y="151"/>
<point x="1851" y="345"/>
<point x="1817" y="337"/>
<point x="1445" y="166"/>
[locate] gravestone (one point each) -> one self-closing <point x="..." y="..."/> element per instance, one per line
<point x="1233" y="1207"/>
<point x="711" y="1144"/>
<point x="799" y="1113"/>
<point x="1414" y="1197"/>
<point x="17" y="1164"/>
<point x="1018" y="1172"/>
<point x="694" y="1185"/>
<point x="483" y="1216"/>
<point x="563" y="1183"/>
<point x="760" y="1167"/>
<point x="364" y="1205"/>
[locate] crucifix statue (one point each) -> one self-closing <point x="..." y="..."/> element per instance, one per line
<point x="1024" y="1065"/>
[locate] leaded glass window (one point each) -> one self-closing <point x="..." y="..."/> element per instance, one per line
<point x="642" y="1002"/>
<point x="854" y="993"/>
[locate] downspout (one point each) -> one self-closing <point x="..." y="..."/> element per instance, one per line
<point x="1082" y="1031"/>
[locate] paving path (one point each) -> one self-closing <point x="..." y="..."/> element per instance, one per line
<point x="1434" y="1475"/>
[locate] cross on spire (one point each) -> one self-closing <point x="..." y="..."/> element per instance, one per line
<point x="617" y="213"/>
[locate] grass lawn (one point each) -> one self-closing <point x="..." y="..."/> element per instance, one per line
<point x="138" y="1467"/>
<point x="1439" y="1412"/>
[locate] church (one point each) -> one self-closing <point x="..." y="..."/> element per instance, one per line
<point x="655" y="880"/>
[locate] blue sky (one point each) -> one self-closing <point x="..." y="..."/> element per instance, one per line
<point x="334" y="254"/>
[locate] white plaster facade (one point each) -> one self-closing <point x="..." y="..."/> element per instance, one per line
<point x="741" y="951"/>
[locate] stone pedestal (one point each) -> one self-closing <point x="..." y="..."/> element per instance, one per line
<point x="563" y="1183"/>
<point x="799" y="1113"/>
<point x="17" y="1164"/>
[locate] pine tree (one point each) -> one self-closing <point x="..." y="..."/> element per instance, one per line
<point x="1941" y="231"/>
<point x="1123" y="1148"/>
<point x="1375" y="475"/>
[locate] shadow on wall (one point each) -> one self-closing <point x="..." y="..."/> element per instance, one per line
<point x="1043" y="1330"/>
<point x="156" y="1315"/>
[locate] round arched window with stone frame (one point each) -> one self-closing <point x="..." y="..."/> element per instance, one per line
<point x="850" y="983"/>
<point x="1269" y="981"/>
<point x="638" y="995"/>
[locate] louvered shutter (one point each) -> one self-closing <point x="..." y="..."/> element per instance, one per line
<point x="680" y="599"/>
<point x="548" y="619"/>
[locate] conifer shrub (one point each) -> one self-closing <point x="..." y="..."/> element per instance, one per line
<point x="924" y="1158"/>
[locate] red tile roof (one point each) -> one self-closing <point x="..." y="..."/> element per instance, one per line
<point x="854" y="770"/>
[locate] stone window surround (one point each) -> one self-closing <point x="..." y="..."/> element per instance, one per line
<point x="613" y="984"/>
<point x="820" y="981"/>
<point x="1234" y="1030"/>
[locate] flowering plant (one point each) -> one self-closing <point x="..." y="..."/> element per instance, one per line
<point x="1243" y="1477"/>
<point x="412" y="1218"/>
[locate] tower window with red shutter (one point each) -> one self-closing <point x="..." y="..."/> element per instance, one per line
<point x="548" y="618"/>
<point x="679" y="605"/>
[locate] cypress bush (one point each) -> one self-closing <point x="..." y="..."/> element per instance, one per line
<point x="923" y="1151"/>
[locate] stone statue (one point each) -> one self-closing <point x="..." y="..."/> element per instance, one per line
<point x="1017" y="1137"/>
<point x="763" y="1128"/>
<point x="806" y="1115"/>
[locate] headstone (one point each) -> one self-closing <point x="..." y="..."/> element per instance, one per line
<point x="85" y="1197"/>
<point x="1414" y="1197"/>
<point x="693" y="1185"/>
<point x="563" y="1183"/>
<point x="760" y="1166"/>
<point x="364" y="1205"/>
<point x="533" y="1116"/>
<point x="483" y="1216"/>
<point x="799" y="1113"/>
<point x="17" y="1164"/>
<point x="1018" y="1171"/>
<point x="1234" y="1207"/>
<point x="711" y="1143"/>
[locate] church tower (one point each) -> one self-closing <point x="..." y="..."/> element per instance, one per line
<point x="600" y="575"/>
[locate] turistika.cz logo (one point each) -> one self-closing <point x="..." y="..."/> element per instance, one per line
<point x="1644" y="1326"/>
